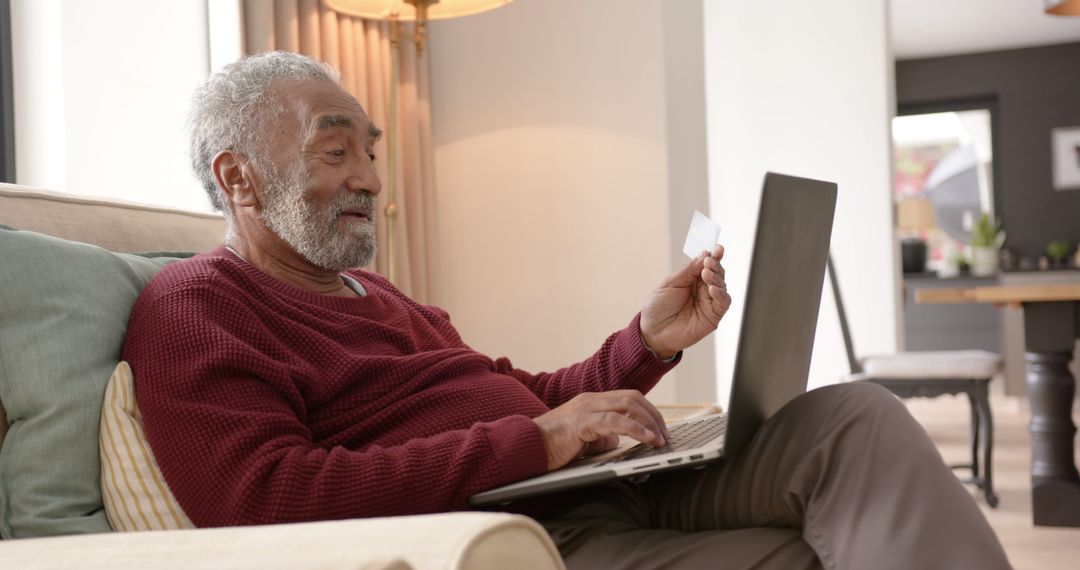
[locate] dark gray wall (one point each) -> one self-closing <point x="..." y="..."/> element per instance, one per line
<point x="1037" y="89"/>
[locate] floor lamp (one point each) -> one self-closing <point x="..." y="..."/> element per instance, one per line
<point x="397" y="11"/>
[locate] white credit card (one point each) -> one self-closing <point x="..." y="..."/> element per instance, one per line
<point x="702" y="236"/>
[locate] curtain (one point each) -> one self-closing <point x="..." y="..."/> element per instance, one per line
<point x="360" y="50"/>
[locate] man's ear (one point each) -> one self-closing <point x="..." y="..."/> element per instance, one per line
<point x="236" y="178"/>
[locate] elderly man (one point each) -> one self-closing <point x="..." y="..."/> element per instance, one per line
<point x="279" y="385"/>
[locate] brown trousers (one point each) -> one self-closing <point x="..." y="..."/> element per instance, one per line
<point x="841" y="477"/>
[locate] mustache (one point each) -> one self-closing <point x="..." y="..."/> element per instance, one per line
<point x="363" y="201"/>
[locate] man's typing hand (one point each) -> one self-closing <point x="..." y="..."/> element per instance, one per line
<point x="686" y="307"/>
<point x="592" y="423"/>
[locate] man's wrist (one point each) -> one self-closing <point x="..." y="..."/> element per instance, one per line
<point x="669" y="359"/>
<point x="660" y="354"/>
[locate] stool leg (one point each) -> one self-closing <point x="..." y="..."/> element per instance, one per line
<point x="975" y="414"/>
<point x="987" y="421"/>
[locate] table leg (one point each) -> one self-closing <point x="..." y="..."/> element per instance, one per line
<point x="1050" y="330"/>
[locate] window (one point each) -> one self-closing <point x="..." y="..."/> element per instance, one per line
<point x="946" y="176"/>
<point x="7" y="108"/>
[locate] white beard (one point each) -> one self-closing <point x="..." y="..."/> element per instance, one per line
<point x="313" y="231"/>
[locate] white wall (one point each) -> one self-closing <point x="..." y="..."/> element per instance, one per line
<point x="101" y="92"/>
<point x="571" y="150"/>
<point x="798" y="88"/>
<point x="688" y="168"/>
<point x="552" y="151"/>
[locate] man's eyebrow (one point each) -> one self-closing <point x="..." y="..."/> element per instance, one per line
<point x="333" y="121"/>
<point x="327" y="122"/>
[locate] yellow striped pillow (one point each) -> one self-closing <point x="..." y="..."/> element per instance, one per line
<point x="136" y="496"/>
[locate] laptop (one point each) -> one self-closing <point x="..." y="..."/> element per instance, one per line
<point x="780" y="314"/>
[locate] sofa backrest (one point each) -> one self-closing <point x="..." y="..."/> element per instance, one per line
<point x="113" y="225"/>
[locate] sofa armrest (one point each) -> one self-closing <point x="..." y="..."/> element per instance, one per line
<point x="470" y="541"/>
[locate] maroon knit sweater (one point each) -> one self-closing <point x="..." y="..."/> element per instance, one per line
<point x="265" y="403"/>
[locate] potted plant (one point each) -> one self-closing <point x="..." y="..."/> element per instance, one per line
<point x="986" y="239"/>
<point x="1056" y="251"/>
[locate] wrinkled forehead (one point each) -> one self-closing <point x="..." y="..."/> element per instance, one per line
<point x="322" y="105"/>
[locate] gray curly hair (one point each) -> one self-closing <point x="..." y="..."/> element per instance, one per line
<point x="232" y="109"/>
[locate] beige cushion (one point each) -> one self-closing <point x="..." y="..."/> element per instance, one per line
<point x="469" y="541"/>
<point x="135" y="494"/>
<point x="943" y="364"/>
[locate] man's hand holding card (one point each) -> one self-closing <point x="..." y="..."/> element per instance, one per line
<point x="703" y="235"/>
<point x="689" y="304"/>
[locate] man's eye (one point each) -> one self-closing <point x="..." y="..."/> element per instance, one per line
<point x="371" y="157"/>
<point x="338" y="152"/>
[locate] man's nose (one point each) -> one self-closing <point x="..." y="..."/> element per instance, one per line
<point x="364" y="178"/>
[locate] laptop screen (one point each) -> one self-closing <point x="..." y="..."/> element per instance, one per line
<point x="783" y="293"/>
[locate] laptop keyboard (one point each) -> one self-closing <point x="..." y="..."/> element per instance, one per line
<point x="681" y="436"/>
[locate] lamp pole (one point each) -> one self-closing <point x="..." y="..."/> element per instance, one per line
<point x="391" y="211"/>
<point x="420" y="28"/>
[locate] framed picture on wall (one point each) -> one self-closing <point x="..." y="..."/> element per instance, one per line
<point x="1065" y="157"/>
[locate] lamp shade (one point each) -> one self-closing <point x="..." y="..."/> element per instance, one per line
<point x="437" y="10"/>
<point x="1063" y="7"/>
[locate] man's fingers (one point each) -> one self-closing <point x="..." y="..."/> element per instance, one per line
<point x="713" y="264"/>
<point x="657" y="417"/>
<point x="631" y="404"/>
<point x="646" y="414"/>
<point x="592" y="423"/>
<point x="613" y="423"/>
<point x="711" y="277"/>
<point x="704" y="260"/>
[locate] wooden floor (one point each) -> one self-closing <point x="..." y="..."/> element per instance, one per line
<point x="947" y="420"/>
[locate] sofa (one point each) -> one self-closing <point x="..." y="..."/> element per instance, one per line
<point x="65" y="297"/>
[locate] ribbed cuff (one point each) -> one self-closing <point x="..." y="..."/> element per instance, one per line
<point x="641" y="367"/>
<point x="517" y="443"/>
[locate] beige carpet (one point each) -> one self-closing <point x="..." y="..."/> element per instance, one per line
<point x="1029" y="547"/>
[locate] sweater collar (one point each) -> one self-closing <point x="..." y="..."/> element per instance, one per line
<point x="264" y="279"/>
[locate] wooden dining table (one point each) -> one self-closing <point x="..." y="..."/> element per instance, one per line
<point x="1051" y="327"/>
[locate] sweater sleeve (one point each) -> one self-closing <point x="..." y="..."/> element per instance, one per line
<point x="226" y="426"/>
<point x="622" y="362"/>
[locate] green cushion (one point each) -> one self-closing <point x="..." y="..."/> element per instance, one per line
<point x="64" y="308"/>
